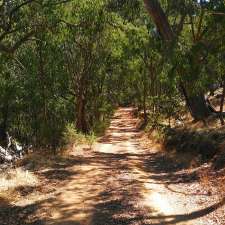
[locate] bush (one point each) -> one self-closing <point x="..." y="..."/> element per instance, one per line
<point x="202" y="143"/>
<point x="71" y="136"/>
<point x="101" y="127"/>
<point x="91" y="139"/>
<point x="164" y="108"/>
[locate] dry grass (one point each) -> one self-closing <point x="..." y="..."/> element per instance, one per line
<point x="15" y="183"/>
<point x="43" y="159"/>
<point x="25" y="183"/>
<point x="14" y="179"/>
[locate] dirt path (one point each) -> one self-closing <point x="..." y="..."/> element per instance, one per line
<point x="121" y="184"/>
<point x="118" y="183"/>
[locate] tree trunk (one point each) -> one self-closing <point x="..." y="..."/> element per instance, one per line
<point x="41" y="77"/>
<point x="196" y="104"/>
<point x="144" y="100"/>
<point x="221" y="104"/>
<point x="81" y="123"/>
<point x="157" y="14"/>
<point x="4" y="124"/>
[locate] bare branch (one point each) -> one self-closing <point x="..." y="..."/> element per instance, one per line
<point x="21" y="41"/>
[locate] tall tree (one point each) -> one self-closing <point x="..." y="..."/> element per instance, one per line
<point x="196" y="102"/>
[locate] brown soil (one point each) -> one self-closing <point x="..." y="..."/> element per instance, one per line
<point x="118" y="183"/>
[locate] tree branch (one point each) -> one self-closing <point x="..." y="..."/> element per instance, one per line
<point x="157" y="14"/>
<point x="12" y="49"/>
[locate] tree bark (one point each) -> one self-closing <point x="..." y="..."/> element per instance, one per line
<point x="221" y="104"/>
<point x="157" y="14"/>
<point x="4" y="124"/>
<point x="196" y="104"/>
<point x="41" y="77"/>
<point x="81" y="123"/>
<point x="144" y="104"/>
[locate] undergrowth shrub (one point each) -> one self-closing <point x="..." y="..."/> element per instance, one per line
<point x="91" y="139"/>
<point x="165" y="108"/>
<point x="100" y="127"/>
<point x="154" y="122"/>
<point x="199" y="142"/>
<point x="155" y="127"/>
<point x="72" y="137"/>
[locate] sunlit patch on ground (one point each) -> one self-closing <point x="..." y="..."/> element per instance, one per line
<point x="111" y="185"/>
<point x="118" y="183"/>
<point x="159" y="202"/>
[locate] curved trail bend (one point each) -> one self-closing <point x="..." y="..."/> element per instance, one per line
<point x="119" y="183"/>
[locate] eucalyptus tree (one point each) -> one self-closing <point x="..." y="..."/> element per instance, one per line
<point x="185" y="30"/>
<point x="86" y="51"/>
<point x="24" y="27"/>
<point x="22" y="19"/>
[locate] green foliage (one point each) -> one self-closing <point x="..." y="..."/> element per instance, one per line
<point x="74" y="62"/>
<point x="71" y="136"/>
<point x="91" y="139"/>
<point x="167" y="106"/>
<point x="204" y="143"/>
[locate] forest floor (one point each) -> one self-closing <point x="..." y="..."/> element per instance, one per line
<point x="119" y="182"/>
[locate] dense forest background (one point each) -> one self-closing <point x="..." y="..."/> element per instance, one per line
<point x="70" y="63"/>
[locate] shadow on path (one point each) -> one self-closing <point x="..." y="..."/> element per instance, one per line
<point x="110" y="185"/>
